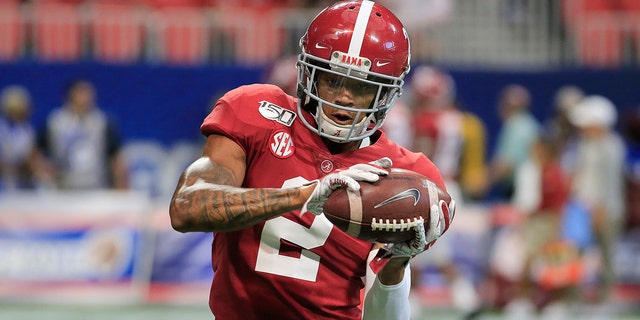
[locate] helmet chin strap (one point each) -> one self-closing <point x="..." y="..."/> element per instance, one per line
<point x="334" y="129"/>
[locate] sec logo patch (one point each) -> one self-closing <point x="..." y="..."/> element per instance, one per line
<point x="281" y="145"/>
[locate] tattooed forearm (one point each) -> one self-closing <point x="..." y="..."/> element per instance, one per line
<point x="245" y="207"/>
<point x="206" y="200"/>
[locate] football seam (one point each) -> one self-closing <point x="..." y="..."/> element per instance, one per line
<point x="355" y="213"/>
<point x="434" y="196"/>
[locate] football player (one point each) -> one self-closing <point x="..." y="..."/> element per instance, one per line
<point x="271" y="160"/>
<point x="455" y="140"/>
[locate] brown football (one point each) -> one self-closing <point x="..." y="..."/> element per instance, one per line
<point x="387" y="210"/>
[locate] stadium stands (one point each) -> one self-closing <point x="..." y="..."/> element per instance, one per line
<point x="592" y="33"/>
<point x="182" y="35"/>
<point x="540" y="34"/>
<point x="117" y="32"/>
<point x="11" y="31"/>
<point x="57" y="31"/>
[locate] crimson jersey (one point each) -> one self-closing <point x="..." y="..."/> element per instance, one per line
<point x="291" y="266"/>
<point x="554" y="193"/>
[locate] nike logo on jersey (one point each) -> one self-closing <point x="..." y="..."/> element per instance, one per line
<point x="409" y="193"/>
<point x="276" y="113"/>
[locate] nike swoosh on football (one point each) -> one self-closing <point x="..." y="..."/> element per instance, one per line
<point x="409" y="193"/>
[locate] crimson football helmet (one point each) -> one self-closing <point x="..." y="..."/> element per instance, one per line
<point x="361" y="41"/>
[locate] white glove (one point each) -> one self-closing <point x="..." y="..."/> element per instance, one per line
<point x="411" y="248"/>
<point x="440" y="217"/>
<point x="348" y="178"/>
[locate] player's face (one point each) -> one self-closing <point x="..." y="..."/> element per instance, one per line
<point x="345" y="92"/>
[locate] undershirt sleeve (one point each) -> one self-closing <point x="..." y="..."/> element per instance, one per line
<point x="386" y="302"/>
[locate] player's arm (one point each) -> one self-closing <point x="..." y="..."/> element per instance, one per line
<point x="387" y="293"/>
<point x="208" y="196"/>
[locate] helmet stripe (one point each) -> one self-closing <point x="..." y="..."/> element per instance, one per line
<point x="359" y="29"/>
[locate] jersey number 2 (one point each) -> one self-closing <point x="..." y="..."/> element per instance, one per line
<point x="304" y="267"/>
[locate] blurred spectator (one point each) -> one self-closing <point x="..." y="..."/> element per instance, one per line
<point x="398" y="124"/>
<point x="284" y="74"/>
<point x="83" y="142"/>
<point x="519" y="130"/>
<point x="631" y="133"/>
<point x="454" y="141"/>
<point x="21" y="166"/>
<point x="542" y="192"/>
<point x="559" y="126"/>
<point x="598" y="178"/>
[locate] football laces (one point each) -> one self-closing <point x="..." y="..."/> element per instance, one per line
<point x="394" y="225"/>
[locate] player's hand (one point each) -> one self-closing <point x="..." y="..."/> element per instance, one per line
<point x="378" y="167"/>
<point x="369" y="172"/>
<point x="440" y="217"/>
<point x="411" y="248"/>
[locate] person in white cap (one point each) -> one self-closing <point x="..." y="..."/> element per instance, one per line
<point x="598" y="177"/>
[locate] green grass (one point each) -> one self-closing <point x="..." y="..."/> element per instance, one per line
<point x="189" y="312"/>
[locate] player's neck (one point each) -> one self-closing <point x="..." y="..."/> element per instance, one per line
<point x="336" y="148"/>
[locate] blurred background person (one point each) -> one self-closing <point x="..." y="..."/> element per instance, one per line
<point x="558" y="125"/>
<point x="83" y="142"/>
<point x="398" y="125"/>
<point x="598" y="180"/>
<point x="455" y="141"/>
<point x="21" y="166"/>
<point x="515" y="137"/>
<point x="284" y="74"/>
<point x="541" y="194"/>
<point x="518" y="131"/>
<point x="631" y="134"/>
